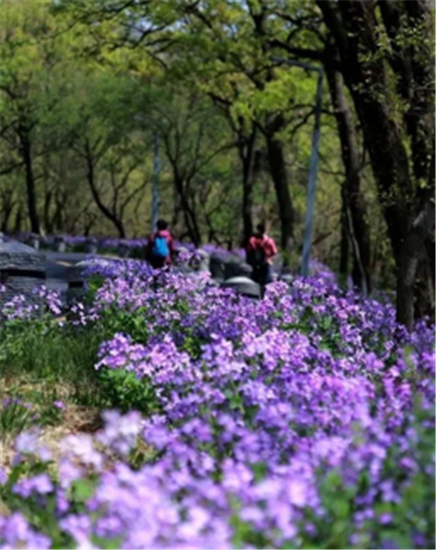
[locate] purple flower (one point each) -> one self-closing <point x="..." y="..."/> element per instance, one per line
<point x="263" y="405"/>
<point x="3" y="476"/>
<point x="17" y="533"/>
<point x="39" y="484"/>
<point x="385" y="518"/>
<point x="120" y="432"/>
<point x="27" y="442"/>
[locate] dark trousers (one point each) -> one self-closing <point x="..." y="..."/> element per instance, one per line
<point x="157" y="263"/>
<point x="262" y="276"/>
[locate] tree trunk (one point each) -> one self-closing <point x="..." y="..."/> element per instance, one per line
<point x="6" y="215"/>
<point x="176" y="210"/>
<point x="407" y="269"/>
<point x="7" y="209"/>
<point x="414" y="273"/>
<point x="425" y="285"/>
<point x="425" y="289"/>
<point x="88" y="226"/>
<point x="26" y="153"/>
<point x="344" y="247"/>
<point x="57" y="220"/>
<point x="48" y="225"/>
<point x="279" y="175"/>
<point x="400" y="176"/>
<point x="188" y="212"/>
<point x="117" y="222"/>
<point x="352" y="196"/>
<point x="18" y="220"/>
<point x="246" y="151"/>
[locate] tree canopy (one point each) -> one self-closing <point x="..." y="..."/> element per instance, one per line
<point x="87" y="86"/>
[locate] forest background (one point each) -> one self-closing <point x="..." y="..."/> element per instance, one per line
<point x="88" y="86"/>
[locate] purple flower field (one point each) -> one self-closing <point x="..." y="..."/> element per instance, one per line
<point x="305" y="420"/>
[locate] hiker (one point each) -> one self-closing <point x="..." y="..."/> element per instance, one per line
<point x="260" y="251"/>
<point x="160" y="248"/>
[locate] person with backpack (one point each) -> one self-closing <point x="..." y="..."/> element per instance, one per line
<point x="160" y="248"/>
<point x="260" y="251"/>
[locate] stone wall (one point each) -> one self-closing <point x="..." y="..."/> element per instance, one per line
<point x="22" y="269"/>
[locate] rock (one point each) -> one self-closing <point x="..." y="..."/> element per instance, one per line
<point x="243" y="286"/>
<point x="182" y="250"/>
<point x="34" y="241"/>
<point x="123" y="250"/>
<point x="22" y="269"/>
<point x="237" y="269"/>
<point x="287" y="278"/>
<point x="183" y="269"/>
<point x="77" y="278"/>
<point x="91" y="246"/>
<point x="204" y="260"/>
<point x="59" y="244"/>
<point x="200" y="261"/>
<point x="218" y="263"/>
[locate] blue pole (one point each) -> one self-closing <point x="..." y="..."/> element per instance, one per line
<point x="155" y="185"/>
<point x="313" y="168"/>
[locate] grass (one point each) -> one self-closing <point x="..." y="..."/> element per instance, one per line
<point x="54" y="424"/>
<point x="55" y="356"/>
<point x="47" y="380"/>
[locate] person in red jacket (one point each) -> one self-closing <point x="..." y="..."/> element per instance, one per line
<point x="260" y="251"/>
<point x="160" y="248"/>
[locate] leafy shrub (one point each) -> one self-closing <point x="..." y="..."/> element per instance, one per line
<point x="124" y="391"/>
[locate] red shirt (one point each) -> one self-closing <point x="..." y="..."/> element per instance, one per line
<point x="170" y="241"/>
<point x="267" y="243"/>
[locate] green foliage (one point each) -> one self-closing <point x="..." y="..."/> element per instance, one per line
<point x="93" y="283"/>
<point x="109" y="92"/>
<point x="123" y="390"/>
<point x="87" y="88"/>
<point x="44" y="350"/>
<point x="133" y="323"/>
<point x="15" y="417"/>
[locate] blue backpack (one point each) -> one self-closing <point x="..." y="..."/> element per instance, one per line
<point x="160" y="247"/>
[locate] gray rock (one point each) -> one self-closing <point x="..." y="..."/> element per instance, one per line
<point x="204" y="261"/>
<point x="91" y="246"/>
<point x="182" y="250"/>
<point x="218" y="263"/>
<point x="237" y="269"/>
<point x="184" y="269"/>
<point x="22" y="269"/>
<point x="181" y="260"/>
<point x="243" y="286"/>
<point x="59" y="244"/>
<point x="77" y="278"/>
<point x="34" y="241"/>
<point x="201" y="262"/>
<point x="287" y="278"/>
<point x="123" y="250"/>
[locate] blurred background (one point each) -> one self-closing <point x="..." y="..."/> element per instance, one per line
<point x="98" y="99"/>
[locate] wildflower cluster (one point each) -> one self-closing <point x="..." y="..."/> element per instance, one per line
<point x="305" y="420"/>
